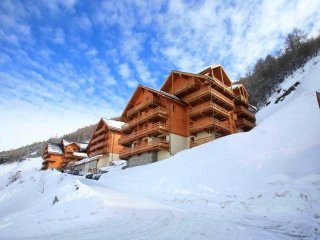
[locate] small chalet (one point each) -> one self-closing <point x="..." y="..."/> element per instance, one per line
<point x="59" y="155"/>
<point x="103" y="147"/>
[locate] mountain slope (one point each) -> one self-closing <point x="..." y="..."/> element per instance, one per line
<point x="264" y="184"/>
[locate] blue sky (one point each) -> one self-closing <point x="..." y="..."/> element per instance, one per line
<point x="66" y="63"/>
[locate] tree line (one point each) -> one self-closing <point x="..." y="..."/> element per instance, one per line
<point x="263" y="79"/>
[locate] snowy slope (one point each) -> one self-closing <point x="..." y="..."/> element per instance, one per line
<point x="264" y="184"/>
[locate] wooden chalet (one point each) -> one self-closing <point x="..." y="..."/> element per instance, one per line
<point x="156" y="126"/>
<point x="103" y="146"/>
<point x="189" y="110"/>
<point x="59" y="155"/>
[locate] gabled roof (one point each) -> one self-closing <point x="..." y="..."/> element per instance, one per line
<point x="180" y="73"/>
<point x="214" y="67"/>
<point x="113" y="124"/>
<point x="240" y="85"/>
<point x="160" y="93"/>
<point x="55" y="148"/>
<point x="81" y="145"/>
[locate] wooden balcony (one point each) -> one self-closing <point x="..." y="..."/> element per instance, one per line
<point x="241" y="99"/>
<point x="200" y="141"/>
<point x="245" y="124"/>
<point x="221" y="86"/>
<point x="100" y="131"/>
<point x="242" y="111"/>
<point x="155" y="145"/>
<point x="209" y="123"/>
<point x="158" y="112"/>
<point x="98" y="145"/>
<point x="208" y="93"/>
<point x="101" y="151"/>
<point x="207" y="108"/>
<point x="188" y="87"/>
<point x="98" y="138"/>
<point x="151" y="102"/>
<point x="155" y="128"/>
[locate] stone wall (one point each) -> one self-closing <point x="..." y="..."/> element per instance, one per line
<point x="142" y="159"/>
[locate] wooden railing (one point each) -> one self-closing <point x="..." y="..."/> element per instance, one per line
<point x="155" y="145"/>
<point x="247" y="112"/>
<point x="208" y="123"/>
<point x="242" y="122"/>
<point x="241" y="98"/>
<point x="158" y="111"/>
<point x="100" y="131"/>
<point x="185" y="87"/>
<point x="153" y="101"/>
<point x="207" y="91"/>
<point x="200" y="141"/>
<point x="104" y="150"/>
<point x="207" y="106"/>
<point x="98" y="138"/>
<point x="222" y="86"/>
<point x="156" y="127"/>
<point x="98" y="145"/>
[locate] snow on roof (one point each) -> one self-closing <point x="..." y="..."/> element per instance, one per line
<point x="164" y="94"/>
<point x="82" y="145"/>
<point x="236" y="86"/>
<point x="55" y="148"/>
<point x="113" y="124"/>
<point x="80" y="154"/>
<point x="88" y="159"/>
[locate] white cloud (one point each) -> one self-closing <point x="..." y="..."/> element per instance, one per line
<point x="124" y="71"/>
<point x="59" y="37"/>
<point x="92" y="52"/>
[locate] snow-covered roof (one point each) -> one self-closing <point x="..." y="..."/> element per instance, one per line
<point x="113" y="124"/>
<point x="82" y="145"/>
<point x="55" y="148"/>
<point x="234" y="86"/>
<point x="80" y="154"/>
<point x="88" y="159"/>
<point x="164" y="94"/>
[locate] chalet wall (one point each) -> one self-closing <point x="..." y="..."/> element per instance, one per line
<point x="177" y="143"/>
<point x="58" y="160"/>
<point x="178" y="119"/>
<point x="161" y="155"/>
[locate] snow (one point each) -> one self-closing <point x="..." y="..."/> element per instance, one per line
<point x="87" y="159"/>
<point x="263" y="184"/>
<point x="55" y="148"/>
<point x="113" y="123"/>
<point x="80" y="154"/>
<point x="82" y="146"/>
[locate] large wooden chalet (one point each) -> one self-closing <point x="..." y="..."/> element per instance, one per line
<point x="189" y="110"/>
<point x="59" y="155"/>
<point x="103" y="147"/>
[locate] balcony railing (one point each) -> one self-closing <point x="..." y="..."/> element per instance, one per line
<point x="243" y="111"/>
<point x="200" y="141"/>
<point x="206" y="91"/>
<point x="98" y="145"/>
<point x="208" y="106"/>
<point x="222" y="86"/>
<point x="209" y="123"/>
<point x="100" y="131"/>
<point x="151" y="129"/>
<point x="98" y="138"/>
<point x="150" y="102"/>
<point x="185" y="88"/>
<point x="244" y="123"/>
<point x="156" y="112"/>
<point x="155" y="145"/>
<point x="104" y="150"/>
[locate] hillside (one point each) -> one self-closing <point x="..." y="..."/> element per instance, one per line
<point x="36" y="149"/>
<point x="263" y="184"/>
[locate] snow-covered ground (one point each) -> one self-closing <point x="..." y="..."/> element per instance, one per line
<point x="264" y="184"/>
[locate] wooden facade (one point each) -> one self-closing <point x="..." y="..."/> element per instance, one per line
<point x="59" y="155"/>
<point x="150" y="116"/>
<point x="103" y="146"/>
<point x="194" y="108"/>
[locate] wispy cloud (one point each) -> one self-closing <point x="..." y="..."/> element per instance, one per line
<point x="64" y="64"/>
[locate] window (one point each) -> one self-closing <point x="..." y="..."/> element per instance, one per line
<point x="173" y="108"/>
